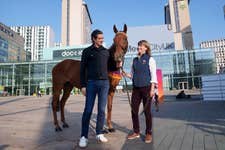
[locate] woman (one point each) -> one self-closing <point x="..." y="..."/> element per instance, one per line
<point x="143" y="75"/>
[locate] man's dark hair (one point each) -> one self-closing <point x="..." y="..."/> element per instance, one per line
<point x="95" y="33"/>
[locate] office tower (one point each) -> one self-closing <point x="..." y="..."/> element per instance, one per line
<point x="11" y="45"/>
<point x="36" y="38"/>
<point x="219" y="50"/>
<point x="76" y="23"/>
<point x="177" y="18"/>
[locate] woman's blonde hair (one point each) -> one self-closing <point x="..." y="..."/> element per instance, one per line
<point x="147" y="45"/>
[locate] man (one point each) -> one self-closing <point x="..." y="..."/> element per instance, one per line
<point x="94" y="81"/>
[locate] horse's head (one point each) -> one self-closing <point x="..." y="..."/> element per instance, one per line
<point x="120" y="43"/>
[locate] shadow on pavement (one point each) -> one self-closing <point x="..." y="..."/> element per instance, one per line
<point x="170" y="124"/>
<point x="12" y="100"/>
<point x="4" y="146"/>
<point x="201" y="115"/>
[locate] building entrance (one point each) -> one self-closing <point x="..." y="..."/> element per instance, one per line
<point x="183" y="85"/>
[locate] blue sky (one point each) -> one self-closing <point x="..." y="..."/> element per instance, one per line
<point x="207" y="16"/>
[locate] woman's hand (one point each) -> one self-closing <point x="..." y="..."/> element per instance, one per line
<point x="126" y="74"/>
<point x="152" y="91"/>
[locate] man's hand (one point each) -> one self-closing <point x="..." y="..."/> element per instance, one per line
<point x="119" y="64"/>
<point x="83" y="90"/>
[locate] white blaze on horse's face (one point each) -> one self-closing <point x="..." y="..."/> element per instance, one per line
<point x="122" y="40"/>
<point x="121" y="45"/>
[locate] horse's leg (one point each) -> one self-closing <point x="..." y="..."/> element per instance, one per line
<point x="55" y="101"/>
<point x="109" y="109"/>
<point x="66" y="93"/>
<point x="113" y="83"/>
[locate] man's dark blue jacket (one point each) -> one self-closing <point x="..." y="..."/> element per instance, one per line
<point x="93" y="64"/>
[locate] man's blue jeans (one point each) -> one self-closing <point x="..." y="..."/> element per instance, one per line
<point x="94" y="87"/>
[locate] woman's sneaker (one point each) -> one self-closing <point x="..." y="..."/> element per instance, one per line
<point x="101" y="138"/>
<point x="83" y="142"/>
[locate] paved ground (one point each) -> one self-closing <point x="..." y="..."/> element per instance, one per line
<point x="26" y="123"/>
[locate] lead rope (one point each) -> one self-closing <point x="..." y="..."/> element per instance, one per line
<point x="126" y="88"/>
<point x="147" y="103"/>
<point x="129" y="99"/>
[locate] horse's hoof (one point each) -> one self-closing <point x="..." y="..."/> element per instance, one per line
<point x="65" y="125"/>
<point x="58" y="129"/>
<point x="112" y="130"/>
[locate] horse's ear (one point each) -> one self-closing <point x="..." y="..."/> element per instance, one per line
<point x="125" y="28"/>
<point x="115" y="29"/>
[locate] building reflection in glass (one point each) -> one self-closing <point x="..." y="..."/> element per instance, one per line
<point x="181" y="70"/>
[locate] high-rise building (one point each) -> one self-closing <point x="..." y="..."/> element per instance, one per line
<point x="219" y="49"/>
<point x="177" y="18"/>
<point x="76" y="23"/>
<point x="36" y="38"/>
<point x="11" y="45"/>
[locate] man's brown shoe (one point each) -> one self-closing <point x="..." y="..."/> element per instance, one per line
<point x="133" y="136"/>
<point x="148" y="138"/>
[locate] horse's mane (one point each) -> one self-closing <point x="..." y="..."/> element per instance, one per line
<point x="112" y="50"/>
<point x="111" y="61"/>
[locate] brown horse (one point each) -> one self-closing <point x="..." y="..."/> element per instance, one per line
<point x="117" y="52"/>
<point x="66" y="75"/>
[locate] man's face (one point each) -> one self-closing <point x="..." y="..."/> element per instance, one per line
<point x="98" y="41"/>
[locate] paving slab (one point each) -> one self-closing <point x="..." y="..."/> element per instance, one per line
<point x="26" y="123"/>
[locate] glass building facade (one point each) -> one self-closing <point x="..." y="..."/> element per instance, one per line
<point x="3" y="50"/>
<point x="180" y="69"/>
<point x="11" y="45"/>
<point x="27" y="78"/>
